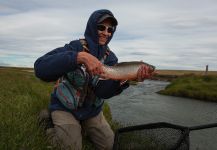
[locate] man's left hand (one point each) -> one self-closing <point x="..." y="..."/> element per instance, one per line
<point x="144" y="72"/>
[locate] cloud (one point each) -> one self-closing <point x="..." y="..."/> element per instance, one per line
<point x="164" y="33"/>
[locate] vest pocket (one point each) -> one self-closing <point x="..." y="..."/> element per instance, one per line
<point x="67" y="95"/>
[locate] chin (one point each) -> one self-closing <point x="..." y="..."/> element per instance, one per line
<point x="102" y="43"/>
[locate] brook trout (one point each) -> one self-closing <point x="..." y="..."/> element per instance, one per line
<point x="124" y="70"/>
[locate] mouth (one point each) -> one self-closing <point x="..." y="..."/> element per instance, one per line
<point x="103" y="39"/>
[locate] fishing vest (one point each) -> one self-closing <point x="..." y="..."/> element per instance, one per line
<point x="73" y="88"/>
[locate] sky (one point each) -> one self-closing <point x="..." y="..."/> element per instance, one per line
<point x="169" y="34"/>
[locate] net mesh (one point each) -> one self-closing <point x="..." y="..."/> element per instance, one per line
<point x="158" y="138"/>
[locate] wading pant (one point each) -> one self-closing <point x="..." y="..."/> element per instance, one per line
<point x="67" y="131"/>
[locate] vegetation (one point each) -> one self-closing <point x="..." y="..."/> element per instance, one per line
<point x="184" y="72"/>
<point x="23" y="96"/>
<point x="21" y="99"/>
<point x="170" y="75"/>
<point x="193" y="86"/>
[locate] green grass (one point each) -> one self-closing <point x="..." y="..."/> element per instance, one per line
<point x="22" y="96"/>
<point x="193" y="86"/>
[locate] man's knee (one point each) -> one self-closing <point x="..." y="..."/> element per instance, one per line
<point x="67" y="137"/>
<point x="109" y="141"/>
<point x="67" y="131"/>
<point x="103" y="139"/>
<point x="100" y="132"/>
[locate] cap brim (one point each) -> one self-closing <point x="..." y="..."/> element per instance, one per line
<point x="114" y="21"/>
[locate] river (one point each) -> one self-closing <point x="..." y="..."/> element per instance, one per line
<point x="141" y="104"/>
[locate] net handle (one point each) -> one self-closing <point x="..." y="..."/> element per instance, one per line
<point x="200" y="127"/>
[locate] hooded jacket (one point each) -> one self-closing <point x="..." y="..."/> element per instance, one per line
<point x="62" y="60"/>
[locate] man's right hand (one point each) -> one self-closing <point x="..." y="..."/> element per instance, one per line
<point x="92" y="64"/>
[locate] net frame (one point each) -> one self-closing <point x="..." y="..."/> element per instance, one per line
<point x="184" y="137"/>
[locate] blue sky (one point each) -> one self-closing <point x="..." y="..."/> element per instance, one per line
<point x="170" y="34"/>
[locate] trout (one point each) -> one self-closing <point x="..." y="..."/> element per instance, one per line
<point x="124" y="70"/>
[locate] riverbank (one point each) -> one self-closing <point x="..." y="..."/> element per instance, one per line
<point x="142" y="105"/>
<point x="170" y="75"/>
<point x="202" y="87"/>
<point x="21" y="99"/>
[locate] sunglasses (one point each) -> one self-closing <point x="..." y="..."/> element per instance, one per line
<point x="102" y="27"/>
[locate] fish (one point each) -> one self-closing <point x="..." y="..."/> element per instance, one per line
<point x="124" y="70"/>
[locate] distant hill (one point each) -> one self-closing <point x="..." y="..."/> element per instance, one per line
<point x="16" y="67"/>
<point x="184" y="72"/>
<point x="173" y="73"/>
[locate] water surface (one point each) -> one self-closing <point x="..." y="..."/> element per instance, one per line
<point x="140" y="105"/>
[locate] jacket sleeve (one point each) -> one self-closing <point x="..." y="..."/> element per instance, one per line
<point x="108" y="88"/>
<point x="56" y="63"/>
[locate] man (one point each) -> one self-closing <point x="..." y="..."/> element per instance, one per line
<point x="87" y="116"/>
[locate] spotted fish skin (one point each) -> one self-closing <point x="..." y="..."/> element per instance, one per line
<point x="124" y="70"/>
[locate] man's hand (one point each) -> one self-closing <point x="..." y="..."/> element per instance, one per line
<point x="144" y="72"/>
<point x="92" y="64"/>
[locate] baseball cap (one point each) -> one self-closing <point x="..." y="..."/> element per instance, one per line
<point x="106" y="16"/>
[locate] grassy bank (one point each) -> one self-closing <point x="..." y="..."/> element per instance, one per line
<point x="170" y="75"/>
<point x="22" y="97"/>
<point x="193" y="86"/>
<point x="184" y="72"/>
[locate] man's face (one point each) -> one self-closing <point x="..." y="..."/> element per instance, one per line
<point x="105" y="30"/>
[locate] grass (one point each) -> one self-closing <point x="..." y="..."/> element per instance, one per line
<point x="21" y="99"/>
<point x="184" y="72"/>
<point x="170" y="75"/>
<point x="193" y="86"/>
<point x="22" y="96"/>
